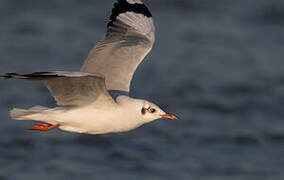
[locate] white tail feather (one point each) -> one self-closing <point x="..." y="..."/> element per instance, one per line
<point x="22" y="114"/>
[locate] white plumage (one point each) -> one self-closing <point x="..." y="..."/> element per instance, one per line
<point x="84" y="102"/>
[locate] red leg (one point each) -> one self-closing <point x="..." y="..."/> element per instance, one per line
<point x="43" y="127"/>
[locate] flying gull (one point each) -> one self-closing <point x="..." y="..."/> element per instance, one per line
<point x="95" y="100"/>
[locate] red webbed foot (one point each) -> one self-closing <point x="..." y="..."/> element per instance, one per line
<point x="43" y="127"/>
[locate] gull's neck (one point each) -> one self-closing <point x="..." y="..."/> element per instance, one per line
<point x="131" y="110"/>
<point x="130" y="105"/>
<point x="115" y="93"/>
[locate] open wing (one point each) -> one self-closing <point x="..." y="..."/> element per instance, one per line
<point x="71" y="88"/>
<point x="129" y="38"/>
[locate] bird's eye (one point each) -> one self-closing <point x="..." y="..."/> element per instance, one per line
<point x="143" y="111"/>
<point x="152" y="110"/>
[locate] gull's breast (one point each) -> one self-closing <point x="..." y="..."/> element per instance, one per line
<point x="94" y="120"/>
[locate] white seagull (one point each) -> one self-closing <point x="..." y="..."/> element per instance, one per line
<point x="95" y="100"/>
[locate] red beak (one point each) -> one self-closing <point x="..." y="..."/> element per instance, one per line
<point x="169" y="116"/>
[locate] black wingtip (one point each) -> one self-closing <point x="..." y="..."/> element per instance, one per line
<point x="122" y="6"/>
<point x="7" y="75"/>
<point x="29" y="76"/>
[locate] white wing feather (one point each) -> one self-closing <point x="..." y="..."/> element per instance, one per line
<point x="130" y="37"/>
<point x="71" y="88"/>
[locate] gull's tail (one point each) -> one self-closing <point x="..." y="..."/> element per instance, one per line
<point x="26" y="114"/>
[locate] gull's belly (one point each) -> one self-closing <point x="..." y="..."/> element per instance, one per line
<point x="96" y="121"/>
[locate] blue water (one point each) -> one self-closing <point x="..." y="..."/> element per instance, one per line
<point x="217" y="64"/>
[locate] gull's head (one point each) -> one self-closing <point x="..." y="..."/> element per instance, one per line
<point x="146" y="110"/>
<point x="151" y="112"/>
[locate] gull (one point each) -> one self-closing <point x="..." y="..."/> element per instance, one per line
<point x="95" y="100"/>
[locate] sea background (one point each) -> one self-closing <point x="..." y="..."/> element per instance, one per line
<point x="218" y="65"/>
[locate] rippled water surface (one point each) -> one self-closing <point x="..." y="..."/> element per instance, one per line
<point x="217" y="64"/>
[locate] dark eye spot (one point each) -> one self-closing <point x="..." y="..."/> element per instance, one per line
<point x="152" y="110"/>
<point x="143" y="111"/>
